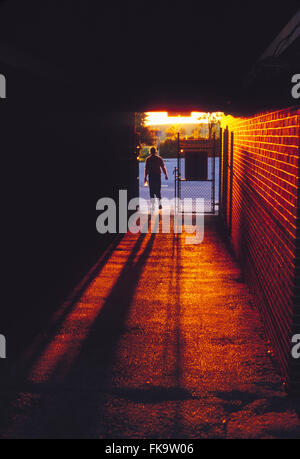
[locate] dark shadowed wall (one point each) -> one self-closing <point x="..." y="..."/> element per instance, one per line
<point x="57" y="161"/>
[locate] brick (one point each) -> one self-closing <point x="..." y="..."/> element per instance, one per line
<point x="260" y="207"/>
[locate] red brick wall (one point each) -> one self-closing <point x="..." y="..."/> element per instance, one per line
<point x="259" y="204"/>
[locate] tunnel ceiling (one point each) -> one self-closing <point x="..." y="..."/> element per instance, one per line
<point x="141" y="55"/>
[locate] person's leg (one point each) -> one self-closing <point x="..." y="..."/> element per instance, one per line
<point x="158" y="190"/>
<point x="152" y="192"/>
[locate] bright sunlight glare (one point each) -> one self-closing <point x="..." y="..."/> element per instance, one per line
<point x="162" y="118"/>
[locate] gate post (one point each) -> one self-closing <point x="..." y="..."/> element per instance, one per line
<point x="213" y="198"/>
<point x="220" y="167"/>
<point x="230" y="184"/>
<point x="224" y="173"/>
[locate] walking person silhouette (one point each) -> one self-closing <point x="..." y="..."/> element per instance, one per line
<point x="153" y="166"/>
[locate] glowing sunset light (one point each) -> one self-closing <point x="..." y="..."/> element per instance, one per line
<point x="162" y="118"/>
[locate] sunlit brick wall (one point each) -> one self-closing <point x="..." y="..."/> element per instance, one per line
<point x="259" y="204"/>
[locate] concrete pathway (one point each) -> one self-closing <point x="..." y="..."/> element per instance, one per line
<point x="165" y="342"/>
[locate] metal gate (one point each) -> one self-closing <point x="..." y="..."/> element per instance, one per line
<point x="196" y="174"/>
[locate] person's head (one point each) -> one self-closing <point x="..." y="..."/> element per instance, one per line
<point x="153" y="151"/>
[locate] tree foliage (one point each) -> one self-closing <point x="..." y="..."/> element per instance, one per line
<point x="168" y="148"/>
<point x="147" y="136"/>
<point x="172" y="132"/>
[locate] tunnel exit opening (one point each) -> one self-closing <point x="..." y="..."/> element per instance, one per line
<point x="189" y="145"/>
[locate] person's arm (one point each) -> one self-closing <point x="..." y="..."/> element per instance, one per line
<point x="146" y="172"/>
<point x="163" y="167"/>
